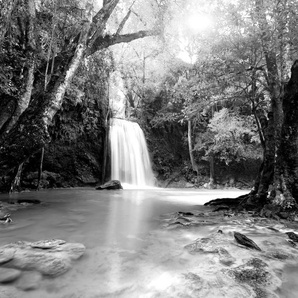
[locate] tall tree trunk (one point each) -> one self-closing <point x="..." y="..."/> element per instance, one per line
<point x="212" y="173"/>
<point x="15" y="185"/>
<point x="190" y="149"/>
<point x="24" y="101"/>
<point x="285" y="193"/>
<point x="273" y="131"/>
<point x="277" y="183"/>
<point x="266" y="173"/>
<point x="40" y="168"/>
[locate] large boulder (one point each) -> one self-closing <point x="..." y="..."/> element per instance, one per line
<point x="113" y="184"/>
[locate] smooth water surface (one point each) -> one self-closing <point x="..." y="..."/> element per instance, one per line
<point x="129" y="253"/>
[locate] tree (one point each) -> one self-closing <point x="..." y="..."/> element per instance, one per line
<point x="273" y="172"/>
<point x="27" y="114"/>
<point x="233" y="137"/>
<point x="274" y="26"/>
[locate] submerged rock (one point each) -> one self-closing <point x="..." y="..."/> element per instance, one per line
<point x="8" y="275"/>
<point x="225" y="257"/>
<point x="29" y="281"/>
<point x="253" y="272"/>
<point x="28" y="201"/>
<point x="201" y="245"/>
<point x="206" y="245"/>
<point x="113" y="184"/>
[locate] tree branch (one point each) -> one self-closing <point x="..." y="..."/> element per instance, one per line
<point x="122" y="24"/>
<point x="103" y="42"/>
<point x="99" y="21"/>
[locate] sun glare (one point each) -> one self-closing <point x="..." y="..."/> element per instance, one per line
<point x="198" y="22"/>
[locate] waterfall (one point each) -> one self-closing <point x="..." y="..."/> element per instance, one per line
<point x="129" y="154"/>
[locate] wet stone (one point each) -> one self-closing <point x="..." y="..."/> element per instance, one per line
<point x="9" y="275"/>
<point x="46" y="244"/>
<point x="52" y="264"/>
<point x="73" y="250"/>
<point x="224" y="257"/>
<point x="202" y="245"/>
<point x="49" y="257"/>
<point x="278" y="255"/>
<point x="252" y="272"/>
<point x="110" y="185"/>
<point x="29" y="281"/>
<point x="6" y="255"/>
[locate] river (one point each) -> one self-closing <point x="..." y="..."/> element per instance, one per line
<point x="129" y="253"/>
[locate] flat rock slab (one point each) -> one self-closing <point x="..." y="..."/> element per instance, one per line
<point x="49" y="257"/>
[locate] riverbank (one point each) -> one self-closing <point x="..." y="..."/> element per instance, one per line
<point x="221" y="267"/>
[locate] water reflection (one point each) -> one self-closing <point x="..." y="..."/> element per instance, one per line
<point x="128" y="252"/>
<point x="289" y="288"/>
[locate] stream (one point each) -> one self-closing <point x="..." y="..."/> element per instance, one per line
<point x="129" y="253"/>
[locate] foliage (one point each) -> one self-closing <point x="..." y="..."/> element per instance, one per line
<point x="86" y="104"/>
<point x="231" y="137"/>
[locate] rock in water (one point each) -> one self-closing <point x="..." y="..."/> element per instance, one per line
<point x="243" y="240"/>
<point x="29" y="280"/>
<point x="46" y="244"/>
<point x="224" y="257"/>
<point x="9" y="274"/>
<point x="113" y="184"/>
<point x="292" y="236"/>
<point x="49" y="257"/>
<point x="6" y="255"/>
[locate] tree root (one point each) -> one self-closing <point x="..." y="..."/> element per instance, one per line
<point x="241" y="200"/>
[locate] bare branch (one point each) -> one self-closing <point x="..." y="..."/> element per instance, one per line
<point x="99" y="21"/>
<point x="103" y="42"/>
<point x="123" y="22"/>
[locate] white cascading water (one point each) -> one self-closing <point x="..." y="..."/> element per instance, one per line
<point x="129" y="154"/>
